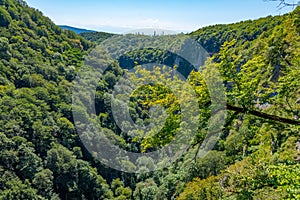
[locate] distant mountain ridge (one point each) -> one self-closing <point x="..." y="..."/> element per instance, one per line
<point x="76" y="30"/>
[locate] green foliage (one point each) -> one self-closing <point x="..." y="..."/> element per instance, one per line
<point x="4" y="48"/>
<point x="97" y="37"/>
<point x="259" y="75"/>
<point x="42" y="156"/>
<point x="5" y="17"/>
<point x="43" y="182"/>
<point x="36" y="70"/>
<point x="146" y="190"/>
<point x="213" y="37"/>
<point x="120" y="192"/>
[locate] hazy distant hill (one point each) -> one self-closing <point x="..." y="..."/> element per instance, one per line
<point x="91" y="35"/>
<point x="76" y="30"/>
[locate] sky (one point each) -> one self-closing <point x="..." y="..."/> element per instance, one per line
<point x="120" y="16"/>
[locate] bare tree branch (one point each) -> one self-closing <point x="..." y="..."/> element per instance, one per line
<point x="284" y="3"/>
<point x="263" y="115"/>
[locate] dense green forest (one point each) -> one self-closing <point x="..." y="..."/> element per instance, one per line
<point x="43" y="157"/>
<point x="97" y="37"/>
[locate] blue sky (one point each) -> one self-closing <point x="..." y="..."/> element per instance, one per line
<point x="123" y="15"/>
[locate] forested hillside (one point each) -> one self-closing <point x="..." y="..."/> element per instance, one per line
<point x="42" y="156"/>
<point x="261" y="144"/>
<point x="213" y="37"/>
<point x="97" y="37"/>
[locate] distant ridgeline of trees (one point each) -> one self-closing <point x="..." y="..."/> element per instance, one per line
<point x="42" y="156"/>
<point x="97" y="37"/>
<point x="213" y="37"/>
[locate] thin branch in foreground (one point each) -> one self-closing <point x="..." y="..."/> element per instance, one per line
<point x="263" y="115"/>
<point x="283" y="3"/>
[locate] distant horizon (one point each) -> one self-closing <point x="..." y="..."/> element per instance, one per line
<point x="142" y="30"/>
<point x="186" y="17"/>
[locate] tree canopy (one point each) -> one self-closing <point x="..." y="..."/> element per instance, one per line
<point x="42" y="156"/>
